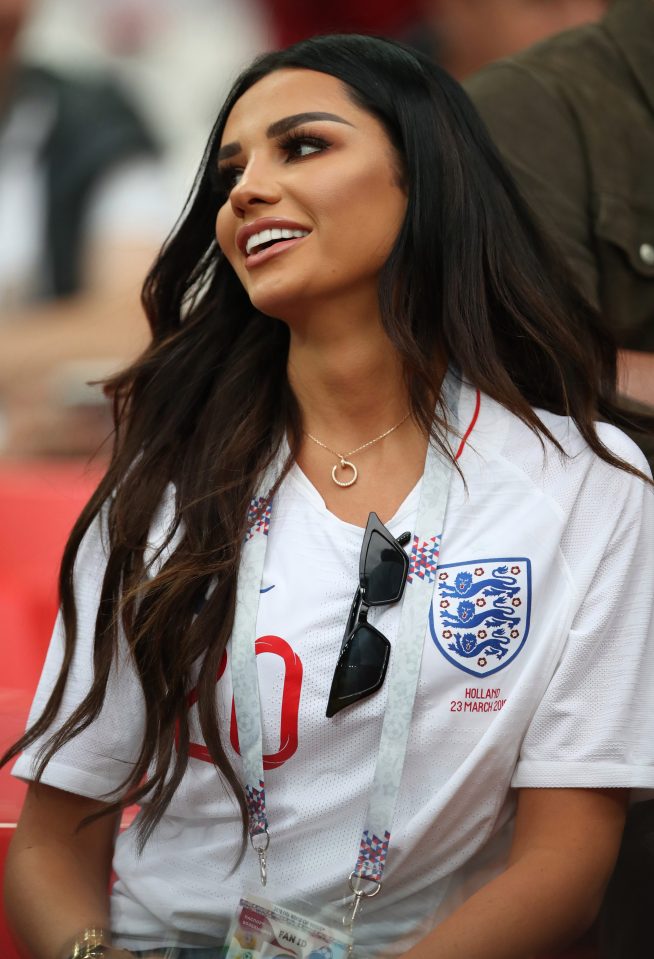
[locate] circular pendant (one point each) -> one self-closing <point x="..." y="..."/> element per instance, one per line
<point x="345" y="464"/>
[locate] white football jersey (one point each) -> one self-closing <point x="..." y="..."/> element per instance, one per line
<point x="537" y="671"/>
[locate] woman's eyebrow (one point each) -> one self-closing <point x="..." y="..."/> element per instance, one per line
<point x="287" y="123"/>
<point x="280" y="127"/>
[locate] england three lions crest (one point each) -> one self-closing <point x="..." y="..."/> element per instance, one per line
<point x="479" y="617"/>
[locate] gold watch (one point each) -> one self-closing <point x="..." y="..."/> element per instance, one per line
<point x="91" y="944"/>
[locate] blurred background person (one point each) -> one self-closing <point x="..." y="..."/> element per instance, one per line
<point x="176" y="58"/>
<point x="468" y="34"/>
<point x="574" y="119"/>
<point x="78" y="197"/>
<point x="462" y="35"/>
<point x="67" y="143"/>
<point x="103" y="111"/>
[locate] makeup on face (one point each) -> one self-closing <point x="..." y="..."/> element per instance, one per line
<point x="304" y="171"/>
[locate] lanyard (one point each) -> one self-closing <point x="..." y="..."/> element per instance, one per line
<point x="365" y="879"/>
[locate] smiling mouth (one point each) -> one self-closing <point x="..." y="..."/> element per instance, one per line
<point x="267" y="238"/>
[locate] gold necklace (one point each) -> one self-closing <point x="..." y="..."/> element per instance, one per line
<point x="344" y="463"/>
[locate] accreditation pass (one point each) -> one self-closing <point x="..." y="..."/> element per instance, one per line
<point x="263" y="930"/>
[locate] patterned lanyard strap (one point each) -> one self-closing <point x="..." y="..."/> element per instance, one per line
<point x="365" y="880"/>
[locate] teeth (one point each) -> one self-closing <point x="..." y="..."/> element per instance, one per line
<point x="265" y="236"/>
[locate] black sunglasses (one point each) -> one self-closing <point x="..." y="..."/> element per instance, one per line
<point x="364" y="655"/>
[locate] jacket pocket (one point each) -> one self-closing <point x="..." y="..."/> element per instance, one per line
<point x="630" y="229"/>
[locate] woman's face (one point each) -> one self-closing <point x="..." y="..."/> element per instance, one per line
<point x="315" y="195"/>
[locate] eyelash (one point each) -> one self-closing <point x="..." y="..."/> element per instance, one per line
<point x="224" y="176"/>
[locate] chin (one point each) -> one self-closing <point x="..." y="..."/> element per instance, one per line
<point x="280" y="304"/>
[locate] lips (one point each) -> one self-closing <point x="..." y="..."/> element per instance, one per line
<point x="261" y="234"/>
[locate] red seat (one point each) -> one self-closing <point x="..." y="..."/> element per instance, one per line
<point x="39" y="503"/>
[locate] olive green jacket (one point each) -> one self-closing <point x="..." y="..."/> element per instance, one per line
<point x="574" y="118"/>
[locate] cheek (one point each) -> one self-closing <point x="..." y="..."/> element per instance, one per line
<point x="374" y="201"/>
<point x="225" y="231"/>
<point x="226" y="237"/>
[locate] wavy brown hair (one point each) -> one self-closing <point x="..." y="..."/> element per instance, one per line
<point x="206" y="406"/>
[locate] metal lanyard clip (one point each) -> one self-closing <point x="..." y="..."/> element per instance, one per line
<point x="260" y="842"/>
<point x="361" y="889"/>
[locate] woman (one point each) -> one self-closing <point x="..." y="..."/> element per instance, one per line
<point x="373" y="264"/>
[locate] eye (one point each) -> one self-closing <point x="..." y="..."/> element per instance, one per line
<point x="298" y="145"/>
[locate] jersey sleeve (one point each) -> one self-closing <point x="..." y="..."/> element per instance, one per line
<point x="97" y="761"/>
<point x="594" y="727"/>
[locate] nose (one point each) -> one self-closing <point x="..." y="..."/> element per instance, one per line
<point x="256" y="186"/>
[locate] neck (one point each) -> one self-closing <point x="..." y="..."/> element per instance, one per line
<point x="347" y="378"/>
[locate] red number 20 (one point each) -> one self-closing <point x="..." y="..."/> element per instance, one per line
<point x="288" y="732"/>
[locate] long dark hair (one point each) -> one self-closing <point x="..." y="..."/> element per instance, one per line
<point x="206" y="406"/>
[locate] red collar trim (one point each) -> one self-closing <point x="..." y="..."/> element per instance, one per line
<point x="471" y="426"/>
